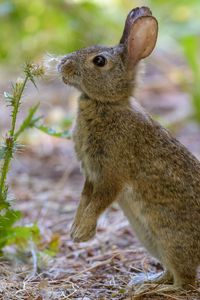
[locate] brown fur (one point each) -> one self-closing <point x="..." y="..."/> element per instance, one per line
<point x="128" y="157"/>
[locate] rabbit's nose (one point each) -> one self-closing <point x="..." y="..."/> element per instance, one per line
<point x="64" y="59"/>
<point x="66" y="65"/>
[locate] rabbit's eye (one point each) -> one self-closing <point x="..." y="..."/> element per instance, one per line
<point x="100" y="60"/>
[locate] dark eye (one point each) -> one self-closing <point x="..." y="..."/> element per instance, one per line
<point x="100" y="60"/>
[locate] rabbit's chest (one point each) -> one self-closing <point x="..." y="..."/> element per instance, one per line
<point x="86" y="149"/>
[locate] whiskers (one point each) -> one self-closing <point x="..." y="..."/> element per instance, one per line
<point x="50" y="64"/>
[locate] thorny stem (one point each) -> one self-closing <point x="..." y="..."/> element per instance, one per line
<point x="16" y="106"/>
<point x="7" y="159"/>
<point x="10" y="140"/>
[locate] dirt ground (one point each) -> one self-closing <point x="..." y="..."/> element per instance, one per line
<point x="46" y="181"/>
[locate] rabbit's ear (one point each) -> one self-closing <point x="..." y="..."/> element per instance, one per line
<point x="133" y="15"/>
<point x="142" y="38"/>
<point x="140" y="34"/>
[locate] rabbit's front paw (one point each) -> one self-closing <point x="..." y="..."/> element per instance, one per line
<point x="84" y="231"/>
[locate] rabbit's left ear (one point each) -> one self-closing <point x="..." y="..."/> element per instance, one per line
<point x="140" y="34"/>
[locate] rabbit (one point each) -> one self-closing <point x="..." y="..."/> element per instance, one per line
<point x="129" y="158"/>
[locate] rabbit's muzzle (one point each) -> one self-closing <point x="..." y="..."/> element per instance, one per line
<point x="67" y="67"/>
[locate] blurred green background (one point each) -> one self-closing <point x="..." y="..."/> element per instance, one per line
<point x="29" y="29"/>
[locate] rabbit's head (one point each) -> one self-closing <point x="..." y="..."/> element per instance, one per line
<point x="108" y="73"/>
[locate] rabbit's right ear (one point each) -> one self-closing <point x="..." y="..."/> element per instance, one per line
<point x="140" y="34"/>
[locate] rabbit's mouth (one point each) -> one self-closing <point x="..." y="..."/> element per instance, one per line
<point x="66" y="80"/>
<point x="71" y="81"/>
<point x="68" y="72"/>
<point x="67" y="67"/>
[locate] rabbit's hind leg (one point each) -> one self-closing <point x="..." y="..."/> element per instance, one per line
<point x="184" y="276"/>
<point x="164" y="277"/>
<point x="163" y="283"/>
<point x="156" y="289"/>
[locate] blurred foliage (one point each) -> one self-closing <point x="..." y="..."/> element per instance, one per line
<point x="191" y="47"/>
<point x="180" y="33"/>
<point x="29" y="29"/>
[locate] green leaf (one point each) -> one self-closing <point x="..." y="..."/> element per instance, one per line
<point x="2" y="152"/>
<point x="52" y="132"/>
<point x="21" y="235"/>
<point x="29" y="121"/>
<point x="66" y="122"/>
<point x="53" y="246"/>
<point x="8" y="218"/>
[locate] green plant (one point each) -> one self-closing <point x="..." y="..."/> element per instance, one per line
<point x="28" y="29"/>
<point x="9" y="233"/>
<point x="191" y="47"/>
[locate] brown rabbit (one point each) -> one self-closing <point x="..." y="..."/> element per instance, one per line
<point x="128" y="157"/>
